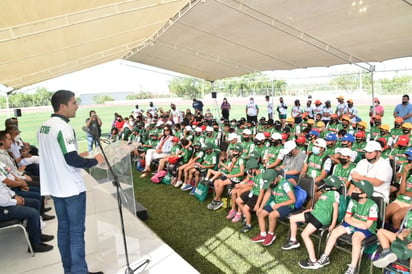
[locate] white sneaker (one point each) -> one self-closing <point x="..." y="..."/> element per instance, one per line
<point x="178" y="183"/>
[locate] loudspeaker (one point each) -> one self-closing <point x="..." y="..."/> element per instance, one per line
<point x="214" y="94"/>
<point x="141" y="211"/>
<point x="17" y="112"/>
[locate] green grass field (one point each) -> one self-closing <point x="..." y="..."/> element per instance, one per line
<point x="204" y="238"/>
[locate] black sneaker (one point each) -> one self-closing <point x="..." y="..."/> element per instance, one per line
<point x="308" y="264"/>
<point x="46" y="217"/>
<point x="245" y="228"/>
<point x="46" y="238"/>
<point x="290" y="245"/>
<point x="42" y="248"/>
<point x="98" y="272"/>
<point x="323" y="261"/>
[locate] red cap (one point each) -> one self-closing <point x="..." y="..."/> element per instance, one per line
<point x="175" y="139"/>
<point x="284" y="136"/>
<point x="318" y="102"/>
<point x="403" y="140"/>
<point x="304" y="115"/>
<point x="360" y="134"/>
<point x="267" y="134"/>
<point x="377" y="117"/>
<point x="333" y="115"/>
<point x="301" y="140"/>
<point x="383" y="141"/>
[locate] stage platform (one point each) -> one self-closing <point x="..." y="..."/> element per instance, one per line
<point x="104" y="243"/>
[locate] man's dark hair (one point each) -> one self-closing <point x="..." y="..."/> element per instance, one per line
<point x="61" y="97"/>
<point x="3" y="134"/>
<point x="406" y="95"/>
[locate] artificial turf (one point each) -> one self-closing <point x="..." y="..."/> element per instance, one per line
<point x="212" y="244"/>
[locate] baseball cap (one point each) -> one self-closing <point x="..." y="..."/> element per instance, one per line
<point x="266" y="134"/>
<point x="377" y="117"/>
<point x="232" y="136"/>
<point x="366" y="186"/>
<point x="252" y="163"/>
<point x="345" y="152"/>
<point x="311" y="122"/>
<point x="301" y="140"/>
<point x="332" y="116"/>
<point x="237" y="147"/>
<point x="188" y="128"/>
<point x="289" y="146"/>
<point x="175" y="139"/>
<point x="304" y="115"/>
<point x="372" y="146"/>
<point x="398" y="120"/>
<point x="350" y="101"/>
<point x="276" y="136"/>
<point x="363" y="124"/>
<point x="159" y="123"/>
<point x="385" y="127"/>
<point x="254" y="155"/>
<point x="260" y="137"/>
<point x="403" y="140"/>
<point x="407" y="125"/>
<point x="318" y="102"/>
<point x="269" y="175"/>
<point x="290" y="119"/>
<point x="284" y="136"/>
<point x="314" y="132"/>
<point x="360" y="134"/>
<point x="209" y="128"/>
<point x="320" y="124"/>
<point x="408" y="153"/>
<point x="247" y="131"/>
<point x="376" y="99"/>
<point x="333" y="181"/>
<point x="345" y="117"/>
<point x="320" y="143"/>
<point x="198" y="129"/>
<point x="348" y="137"/>
<point x="331" y="137"/>
<point x="340" y="97"/>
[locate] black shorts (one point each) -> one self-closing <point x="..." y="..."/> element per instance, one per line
<point x="249" y="201"/>
<point x="309" y="218"/>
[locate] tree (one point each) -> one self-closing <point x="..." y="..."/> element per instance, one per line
<point x="351" y="81"/>
<point x="101" y="99"/>
<point x="186" y="87"/>
<point x="397" y="85"/>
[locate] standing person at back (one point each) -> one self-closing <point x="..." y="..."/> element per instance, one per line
<point x="93" y="130"/>
<point x="404" y="110"/>
<point x="60" y="177"/>
<point x="342" y="107"/>
<point x="225" y="107"/>
<point x="269" y="107"/>
<point x="252" y="111"/>
<point x="282" y="110"/>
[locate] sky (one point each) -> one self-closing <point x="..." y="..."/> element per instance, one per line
<point x="126" y="76"/>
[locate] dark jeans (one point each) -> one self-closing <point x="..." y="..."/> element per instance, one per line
<point x="29" y="211"/>
<point x="225" y="114"/>
<point x="33" y="193"/>
<point x="251" y="119"/>
<point x="71" y="215"/>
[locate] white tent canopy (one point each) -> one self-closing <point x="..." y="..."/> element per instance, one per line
<point x="209" y="39"/>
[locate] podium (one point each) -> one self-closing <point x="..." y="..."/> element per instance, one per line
<point x="118" y="154"/>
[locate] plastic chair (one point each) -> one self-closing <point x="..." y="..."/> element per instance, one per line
<point x="19" y="224"/>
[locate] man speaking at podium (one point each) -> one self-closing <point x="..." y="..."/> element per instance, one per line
<point x="61" y="178"/>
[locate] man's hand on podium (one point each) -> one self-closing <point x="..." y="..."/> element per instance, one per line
<point x="99" y="157"/>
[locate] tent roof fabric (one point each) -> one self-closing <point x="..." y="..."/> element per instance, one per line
<point x="209" y="39"/>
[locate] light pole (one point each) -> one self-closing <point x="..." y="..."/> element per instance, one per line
<point x="5" y="91"/>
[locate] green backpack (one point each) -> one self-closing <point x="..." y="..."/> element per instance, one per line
<point x="201" y="191"/>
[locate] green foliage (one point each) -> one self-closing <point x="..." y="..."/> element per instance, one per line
<point x="397" y="85"/>
<point x="101" y="99"/>
<point x="140" y="95"/>
<point x="351" y="81"/>
<point x="40" y="98"/>
<point x="186" y="87"/>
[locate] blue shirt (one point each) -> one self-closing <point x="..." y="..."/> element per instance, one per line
<point x="402" y="111"/>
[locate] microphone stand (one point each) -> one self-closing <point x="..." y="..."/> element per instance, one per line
<point x="119" y="192"/>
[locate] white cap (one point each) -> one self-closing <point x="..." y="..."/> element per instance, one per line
<point x="169" y="123"/>
<point x="209" y="128"/>
<point x="353" y="156"/>
<point x="159" y="123"/>
<point x="276" y="136"/>
<point x="198" y="129"/>
<point x="247" y="131"/>
<point x="260" y="137"/>
<point x="345" y="151"/>
<point x="320" y="143"/>
<point x="372" y="146"/>
<point x="289" y="146"/>
<point x="188" y="128"/>
<point x="232" y="136"/>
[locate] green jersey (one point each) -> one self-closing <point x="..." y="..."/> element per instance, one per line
<point x="343" y="173"/>
<point x="316" y="164"/>
<point x="408" y="225"/>
<point x="272" y="154"/>
<point x="323" y="209"/>
<point x="211" y="140"/>
<point x="186" y="153"/>
<point x="209" y="159"/>
<point x="199" y="155"/>
<point x="374" y="132"/>
<point x="236" y="169"/>
<point x="395" y="132"/>
<point x="259" y="185"/>
<point x="403" y="197"/>
<point x="246" y="148"/>
<point x="175" y="149"/>
<point x="279" y="194"/>
<point x="364" y="212"/>
<point x="398" y="154"/>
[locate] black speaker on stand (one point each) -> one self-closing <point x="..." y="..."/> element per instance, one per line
<point x="17" y="112"/>
<point x="214" y="94"/>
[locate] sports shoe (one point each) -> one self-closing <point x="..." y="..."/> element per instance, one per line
<point x="42" y="248"/>
<point x="231" y="214"/>
<point x="211" y="205"/>
<point x="385" y="259"/>
<point x="186" y="187"/>
<point x="46" y="238"/>
<point x="192" y="192"/>
<point x="246" y="228"/>
<point x="258" y="239"/>
<point x="308" y="264"/>
<point x="178" y="183"/>
<point x="323" y="261"/>
<point x="237" y="218"/>
<point x="290" y="245"/>
<point x="218" y="204"/>
<point x="270" y="238"/>
<point x="350" y="270"/>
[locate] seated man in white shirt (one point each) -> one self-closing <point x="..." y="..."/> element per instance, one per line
<point x="374" y="169"/>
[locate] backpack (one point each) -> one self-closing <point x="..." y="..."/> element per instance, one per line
<point x="301" y="196"/>
<point x="157" y="178"/>
<point x="167" y="179"/>
<point x="201" y="191"/>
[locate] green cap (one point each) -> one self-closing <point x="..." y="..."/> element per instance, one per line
<point x="238" y="147"/>
<point x="252" y="163"/>
<point x="209" y="146"/>
<point x="333" y="181"/>
<point x="366" y="186"/>
<point x="269" y="175"/>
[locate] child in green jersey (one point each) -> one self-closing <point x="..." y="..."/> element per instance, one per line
<point x="325" y="212"/>
<point x="360" y="221"/>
